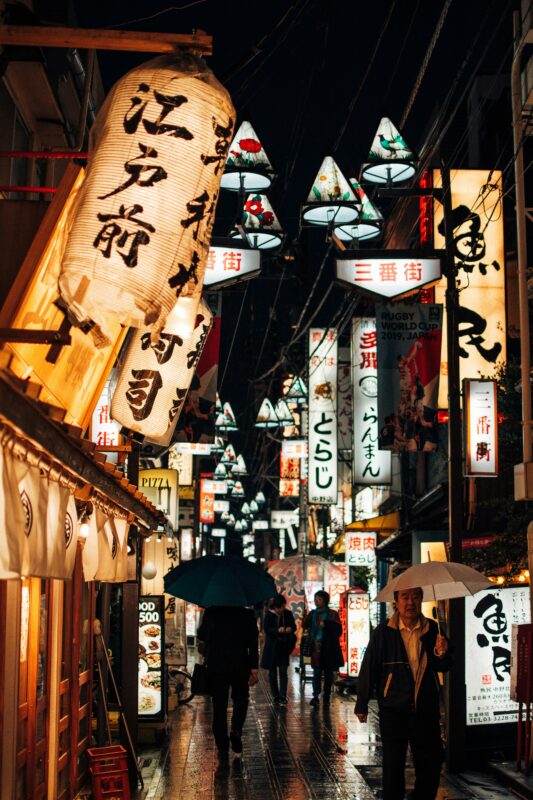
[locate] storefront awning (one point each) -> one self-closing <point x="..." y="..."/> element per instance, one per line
<point x="384" y="526"/>
<point x="41" y="424"/>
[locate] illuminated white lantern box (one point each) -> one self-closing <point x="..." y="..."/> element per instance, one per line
<point x="389" y="273"/>
<point x="155" y="379"/>
<point x="144" y="216"/>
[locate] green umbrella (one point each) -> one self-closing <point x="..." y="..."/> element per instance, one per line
<point x="220" y="581"/>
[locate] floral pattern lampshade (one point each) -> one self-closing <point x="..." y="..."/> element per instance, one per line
<point x="297" y="391"/>
<point x="229" y="456"/>
<point x="260" y="498"/>
<point x="369" y="221"/>
<point x="283" y="413"/>
<point x="218" y="445"/>
<point x="266" y="417"/>
<point x="331" y="199"/>
<point x="248" y="167"/>
<point x="239" y="467"/>
<point x="238" y="490"/>
<point x="260" y="223"/>
<point x="390" y="159"/>
<point x="226" y="420"/>
<point x="221" y="470"/>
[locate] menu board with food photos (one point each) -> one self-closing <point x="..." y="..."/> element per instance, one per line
<point x="151" y="657"/>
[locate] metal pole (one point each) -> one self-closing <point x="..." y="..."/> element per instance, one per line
<point x="521" y="241"/>
<point x="455" y="684"/>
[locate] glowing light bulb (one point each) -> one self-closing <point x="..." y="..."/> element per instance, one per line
<point x="84" y="530"/>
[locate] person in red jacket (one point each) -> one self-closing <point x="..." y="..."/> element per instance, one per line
<point x="401" y="664"/>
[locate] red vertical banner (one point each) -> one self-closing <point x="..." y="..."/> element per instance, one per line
<point x="207" y="505"/>
<point x="197" y="419"/>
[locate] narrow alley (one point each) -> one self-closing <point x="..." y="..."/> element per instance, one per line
<point x="293" y="752"/>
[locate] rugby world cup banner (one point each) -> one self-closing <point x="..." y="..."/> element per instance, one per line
<point x="408" y="342"/>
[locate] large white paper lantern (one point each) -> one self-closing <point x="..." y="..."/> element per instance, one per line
<point x="155" y="378"/>
<point x="143" y="220"/>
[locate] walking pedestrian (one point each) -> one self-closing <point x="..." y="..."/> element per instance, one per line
<point x="280" y="640"/>
<point x="325" y="629"/>
<point x="401" y="663"/>
<point x="230" y="647"/>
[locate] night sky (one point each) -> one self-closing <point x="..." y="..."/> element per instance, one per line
<point x="313" y="81"/>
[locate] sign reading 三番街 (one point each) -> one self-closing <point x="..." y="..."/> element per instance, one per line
<point x="481" y="418"/>
<point x="226" y="265"/>
<point x="489" y="616"/>
<point x="477" y="219"/>
<point x="390" y="274"/>
<point x="322" y="416"/>
<point x="371" y="466"/>
<point x="151" y="657"/>
<point x="357" y="630"/>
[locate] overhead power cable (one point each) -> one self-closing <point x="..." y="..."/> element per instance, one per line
<point x="355" y="98"/>
<point x="425" y="62"/>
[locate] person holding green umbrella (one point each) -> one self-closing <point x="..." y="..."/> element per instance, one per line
<point x="225" y="586"/>
<point x="230" y="645"/>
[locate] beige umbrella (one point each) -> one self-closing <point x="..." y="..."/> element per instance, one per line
<point x="439" y="580"/>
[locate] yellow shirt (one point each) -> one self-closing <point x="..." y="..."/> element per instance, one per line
<point x="411" y="640"/>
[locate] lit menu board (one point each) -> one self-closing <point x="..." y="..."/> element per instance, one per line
<point x="151" y="657"/>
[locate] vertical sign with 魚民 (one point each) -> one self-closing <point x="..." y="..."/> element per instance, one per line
<point x="322" y="481"/>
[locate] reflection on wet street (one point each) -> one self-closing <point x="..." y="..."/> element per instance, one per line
<point x="293" y="751"/>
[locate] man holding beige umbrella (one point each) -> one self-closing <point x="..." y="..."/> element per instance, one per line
<point x="401" y="663"/>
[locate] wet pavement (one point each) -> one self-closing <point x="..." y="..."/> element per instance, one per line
<point x="293" y="752"/>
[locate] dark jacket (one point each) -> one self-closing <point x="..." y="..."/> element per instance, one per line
<point x="386" y="669"/>
<point x="275" y="651"/>
<point x="231" y="639"/>
<point x="330" y="651"/>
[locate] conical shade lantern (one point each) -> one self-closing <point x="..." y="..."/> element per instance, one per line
<point x="231" y="521"/>
<point x="218" y="445"/>
<point x="297" y="391"/>
<point x="331" y="201"/>
<point x="238" y="525"/>
<point x="229" y="455"/>
<point x="245" y="508"/>
<point x="221" y="471"/>
<point x="283" y="413"/>
<point x="390" y="159"/>
<point x="369" y="220"/>
<point x="239" y="467"/>
<point x="224" y="517"/>
<point x="254" y="508"/>
<point x="260" y="498"/>
<point x="260" y="224"/>
<point x="238" y="490"/>
<point x="244" y="524"/>
<point x="266" y="417"/>
<point x="218" y="404"/>
<point x="248" y="167"/>
<point x="227" y="421"/>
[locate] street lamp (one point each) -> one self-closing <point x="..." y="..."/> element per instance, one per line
<point x="369" y="221"/>
<point x="248" y="168"/>
<point x="331" y="199"/>
<point x="284" y="413"/>
<point x="390" y="160"/>
<point x="266" y="416"/>
<point x="297" y="391"/>
<point x="260" y="225"/>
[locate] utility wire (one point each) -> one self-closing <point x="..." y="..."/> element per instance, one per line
<point x="364" y="78"/>
<point x="401" y="51"/>
<point x="234" y="335"/>
<point x="425" y="62"/>
<point x="157" y="14"/>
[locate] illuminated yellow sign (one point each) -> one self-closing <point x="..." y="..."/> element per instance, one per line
<point x="75" y="381"/>
<point x="477" y="210"/>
